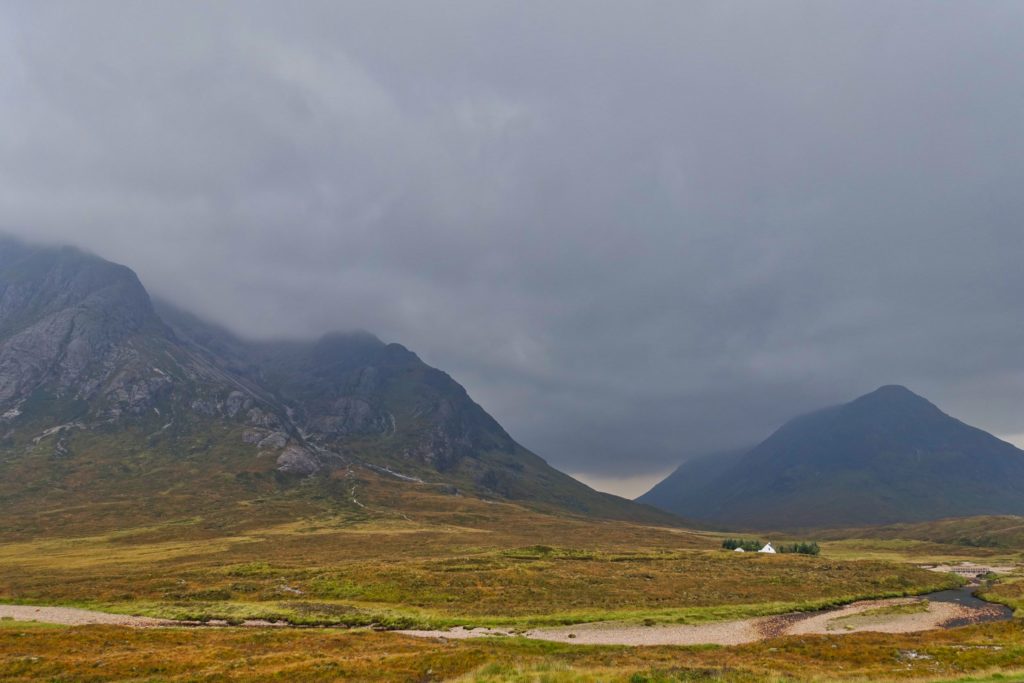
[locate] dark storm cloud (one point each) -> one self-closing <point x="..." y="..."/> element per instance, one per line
<point x="634" y="231"/>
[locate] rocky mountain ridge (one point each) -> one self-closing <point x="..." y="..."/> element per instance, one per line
<point x="87" y="358"/>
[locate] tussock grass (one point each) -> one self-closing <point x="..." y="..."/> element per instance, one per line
<point x="1009" y="592"/>
<point x="107" y="653"/>
<point x="432" y="580"/>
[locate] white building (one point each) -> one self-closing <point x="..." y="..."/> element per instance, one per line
<point x="767" y="549"/>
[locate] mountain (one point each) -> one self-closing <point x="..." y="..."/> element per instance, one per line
<point x="113" y="405"/>
<point x="889" y="456"/>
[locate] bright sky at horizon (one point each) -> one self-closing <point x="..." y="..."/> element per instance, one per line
<point x="627" y="487"/>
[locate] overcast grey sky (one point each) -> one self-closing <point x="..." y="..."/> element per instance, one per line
<point x="635" y="231"/>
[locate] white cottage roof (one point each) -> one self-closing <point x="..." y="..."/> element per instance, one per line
<point x="767" y="549"/>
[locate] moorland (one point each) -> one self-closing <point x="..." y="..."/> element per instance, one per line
<point x="345" y="585"/>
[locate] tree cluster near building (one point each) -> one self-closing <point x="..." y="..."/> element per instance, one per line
<point x="750" y="545"/>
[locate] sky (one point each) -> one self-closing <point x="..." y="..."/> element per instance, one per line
<point x="636" y="232"/>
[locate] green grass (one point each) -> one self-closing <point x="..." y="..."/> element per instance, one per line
<point x="11" y="623"/>
<point x="916" y="607"/>
<point x="1009" y="592"/>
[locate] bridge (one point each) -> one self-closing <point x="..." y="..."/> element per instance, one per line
<point x="973" y="570"/>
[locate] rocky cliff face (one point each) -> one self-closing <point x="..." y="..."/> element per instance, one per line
<point x="353" y="394"/>
<point x="81" y="333"/>
<point x="85" y="357"/>
<point x="70" y="327"/>
<point x="356" y="387"/>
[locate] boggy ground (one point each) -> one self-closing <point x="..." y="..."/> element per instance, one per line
<point x="414" y="559"/>
<point x="474" y="564"/>
<point x="30" y="652"/>
<point x="488" y="586"/>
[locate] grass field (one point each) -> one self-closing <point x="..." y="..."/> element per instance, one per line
<point x="475" y="564"/>
<point x="990" y="540"/>
<point x="101" y="653"/>
<point x="414" y="558"/>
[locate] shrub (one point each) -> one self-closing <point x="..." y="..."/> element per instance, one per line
<point x="746" y="544"/>
<point x="802" y="548"/>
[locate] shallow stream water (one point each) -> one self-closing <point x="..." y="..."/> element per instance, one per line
<point x="985" y="612"/>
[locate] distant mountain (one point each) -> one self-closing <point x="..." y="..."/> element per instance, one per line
<point x="890" y="456"/>
<point x="109" y="402"/>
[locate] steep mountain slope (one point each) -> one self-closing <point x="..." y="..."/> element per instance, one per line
<point x="889" y="456"/>
<point x="106" y="400"/>
<point x="79" y="338"/>
<point x="355" y="397"/>
<point x="66" y="322"/>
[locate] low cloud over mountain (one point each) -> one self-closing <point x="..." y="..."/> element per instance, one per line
<point x="660" y="237"/>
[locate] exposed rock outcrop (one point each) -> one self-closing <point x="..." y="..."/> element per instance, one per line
<point x="82" y="348"/>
